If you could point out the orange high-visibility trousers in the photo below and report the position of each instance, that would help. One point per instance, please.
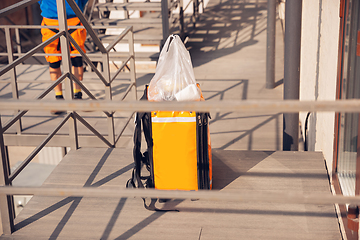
(79, 36)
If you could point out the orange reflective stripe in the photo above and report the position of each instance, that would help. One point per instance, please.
(167, 114)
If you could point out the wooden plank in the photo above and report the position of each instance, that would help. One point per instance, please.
(97, 218)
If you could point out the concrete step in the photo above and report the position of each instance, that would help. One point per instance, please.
(120, 56)
(141, 6)
(146, 36)
(144, 22)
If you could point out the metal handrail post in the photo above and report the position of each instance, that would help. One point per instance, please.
(6, 206)
(197, 9)
(91, 10)
(14, 86)
(194, 13)
(293, 11)
(165, 20)
(132, 60)
(65, 54)
(181, 17)
(108, 96)
(17, 35)
(126, 12)
(270, 49)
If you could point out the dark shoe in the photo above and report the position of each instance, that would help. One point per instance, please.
(78, 95)
(58, 112)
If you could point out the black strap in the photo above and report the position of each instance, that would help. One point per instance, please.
(152, 207)
(143, 121)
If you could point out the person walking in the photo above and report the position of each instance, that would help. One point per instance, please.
(50, 18)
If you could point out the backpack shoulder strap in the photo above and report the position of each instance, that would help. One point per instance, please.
(141, 119)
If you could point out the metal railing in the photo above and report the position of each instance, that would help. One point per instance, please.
(6, 191)
(105, 78)
(6, 205)
(254, 106)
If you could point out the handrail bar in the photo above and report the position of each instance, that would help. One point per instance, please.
(91, 10)
(118, 38)
(38, 148)
(13, 120)
(88, 126)
(124, 127)
(252, 106)
(29, 53)
(15, 7)
(173, 4)
(82, 86)
(187, 5)
(127, 91)
(121, 68)
(213, 195)
(52, 85)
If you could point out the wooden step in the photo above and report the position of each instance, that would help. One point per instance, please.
(141, 6)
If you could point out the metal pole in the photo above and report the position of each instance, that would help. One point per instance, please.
(6, 207)
(181, 17)
(194, 14)
(65, 54)
(108, 96)
(293, 10)
(14, 85)
(270, 48)
(17, 35)
(165, 20)
(293, 197)
(132, 60)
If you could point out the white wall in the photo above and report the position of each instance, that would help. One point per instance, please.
(309, 61)
(318, 72)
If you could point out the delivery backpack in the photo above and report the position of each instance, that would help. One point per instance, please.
(178, 154)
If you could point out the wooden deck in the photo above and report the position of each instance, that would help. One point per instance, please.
(228, 54)
(101, 218)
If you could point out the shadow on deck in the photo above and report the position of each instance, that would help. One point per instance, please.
(101, 218)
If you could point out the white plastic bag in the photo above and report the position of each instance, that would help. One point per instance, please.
(174, 77)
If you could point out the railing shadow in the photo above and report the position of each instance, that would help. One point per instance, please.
(260, 213)
(147, 221)
(75, 201)
(229, 26)
(249, 132)
(224, 170)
